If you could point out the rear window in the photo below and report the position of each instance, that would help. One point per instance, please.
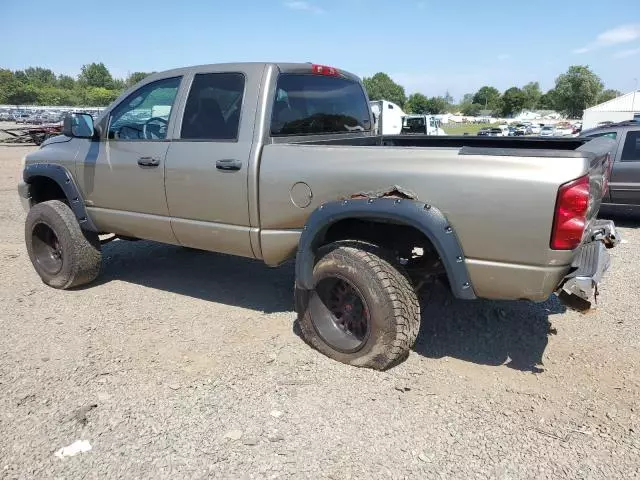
(315, 104)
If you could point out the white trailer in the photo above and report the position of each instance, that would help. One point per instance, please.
(387, 117)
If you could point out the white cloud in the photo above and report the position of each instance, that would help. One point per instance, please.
(304, 7)
(615, 36)
(504, 56)
(627, 53)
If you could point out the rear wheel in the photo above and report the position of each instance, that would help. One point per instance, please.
(62, 253)
(363, 311)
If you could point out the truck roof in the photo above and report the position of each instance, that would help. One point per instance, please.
(287, 67)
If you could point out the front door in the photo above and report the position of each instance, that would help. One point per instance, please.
(122, 176)
(208, 161)
(625, 177)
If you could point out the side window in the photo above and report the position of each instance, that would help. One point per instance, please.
(631, 150)
(213, 107)
(390, 107)
(144, 115)
(613, 135)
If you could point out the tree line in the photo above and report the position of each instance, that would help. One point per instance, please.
(575, 90)
(93, 87)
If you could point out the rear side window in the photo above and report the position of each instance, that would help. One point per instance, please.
(631, 150)
(213, 107)
(315, 104)
(613, 135)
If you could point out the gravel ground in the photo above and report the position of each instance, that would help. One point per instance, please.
(180, 363)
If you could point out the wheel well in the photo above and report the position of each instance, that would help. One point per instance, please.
(408, 245)
(43, 189)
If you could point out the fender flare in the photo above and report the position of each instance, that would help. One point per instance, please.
(64, 179)
(424, 217)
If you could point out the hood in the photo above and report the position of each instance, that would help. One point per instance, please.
(56, 139)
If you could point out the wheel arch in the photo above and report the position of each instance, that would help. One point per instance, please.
(425, 218)
(46, 181)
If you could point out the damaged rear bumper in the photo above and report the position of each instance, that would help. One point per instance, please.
(579, 289)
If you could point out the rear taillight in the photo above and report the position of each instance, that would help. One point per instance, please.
(570, 219)
(324, 70)
(607, 174)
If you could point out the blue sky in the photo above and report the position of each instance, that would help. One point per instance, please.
(427, 45)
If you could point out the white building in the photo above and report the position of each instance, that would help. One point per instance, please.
(625, 107)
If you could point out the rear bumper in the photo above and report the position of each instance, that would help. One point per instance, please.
(579, 288)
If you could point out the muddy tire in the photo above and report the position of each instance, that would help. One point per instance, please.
(363, 311)
(62, 253)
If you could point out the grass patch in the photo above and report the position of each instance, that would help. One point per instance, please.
(462, 128)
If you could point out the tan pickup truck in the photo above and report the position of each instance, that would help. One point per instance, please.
(279, 161)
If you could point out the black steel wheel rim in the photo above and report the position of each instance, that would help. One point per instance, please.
(341, 315)
(46, 248)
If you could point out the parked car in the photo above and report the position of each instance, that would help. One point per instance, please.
(563, 129)
(22, 117)
(624, 183)
(547, 131)
(520, 130)
(535, 129)
(223, 173)
(483, 132)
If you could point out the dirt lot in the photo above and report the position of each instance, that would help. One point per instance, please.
(180, 363)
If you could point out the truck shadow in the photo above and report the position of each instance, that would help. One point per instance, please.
(481, 332)
(513, 333)
(207, 276)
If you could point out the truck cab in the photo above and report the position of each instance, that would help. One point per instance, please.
(421, 124)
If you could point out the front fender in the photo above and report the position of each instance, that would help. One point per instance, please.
(64, 179)
(425, 218)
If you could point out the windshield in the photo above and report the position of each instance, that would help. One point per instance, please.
(315, 104)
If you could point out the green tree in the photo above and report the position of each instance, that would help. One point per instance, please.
(99, 96)
(96, 75)
(136, 77)
(417, 103)
(40, 76)
(488, 97)
(471, 109)
(607, 95)
(548, 100)
(467, 98)
(66, 82)
(532, 94)
(19, 94)
(513, 101)
(382, 87)
(437, 105)
(576, 90)
(20, 76)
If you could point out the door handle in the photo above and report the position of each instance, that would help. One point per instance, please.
(228, 165)
(148, 161)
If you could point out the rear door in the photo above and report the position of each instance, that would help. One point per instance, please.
(207, 162)
(625, 177)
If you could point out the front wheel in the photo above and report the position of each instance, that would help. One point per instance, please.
(62, 253)
(363, 311)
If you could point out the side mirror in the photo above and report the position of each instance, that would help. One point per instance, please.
(78, 125)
